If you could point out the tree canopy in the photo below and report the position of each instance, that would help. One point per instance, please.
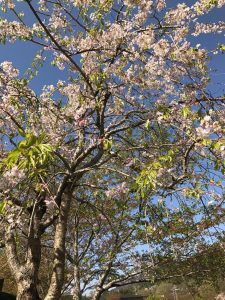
(125, 154)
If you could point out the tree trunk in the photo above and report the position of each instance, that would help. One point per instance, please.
(76, 290)
(28, 283)
(97, 294)
(26, 274)
(100, 289)
(27, 291)
(57, 278)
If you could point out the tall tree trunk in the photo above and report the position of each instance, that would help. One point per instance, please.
(26, 274)
(100, 289)
(57, 278)
(97, 294)
(28, 282)
(27, 290)
(76, 290)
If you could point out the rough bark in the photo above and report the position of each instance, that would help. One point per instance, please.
(10, 248)
(27, 291)
(100, 289)
(28, 282)
(76, 290)
(57, 277)
(26, 274)
(98, 292)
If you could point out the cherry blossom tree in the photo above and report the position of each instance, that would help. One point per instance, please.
(135, 103)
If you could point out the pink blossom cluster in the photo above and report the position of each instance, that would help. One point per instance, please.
(161, 48)
(57, 20)
(14, 175)
(203, 6)
(220, 3)
(7, 3)
(9, 70)
(178, 15)
(118, 191)
(75, 108)
(201, 28)
(84, 2)
(145, 40)
(60, 60)
(13, 30)
(9, 103)
(160, 5)
(42, 5)
(207, 127)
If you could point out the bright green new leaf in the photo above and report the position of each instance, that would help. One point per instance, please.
(185, 112)
(2, 207)
(107, 144)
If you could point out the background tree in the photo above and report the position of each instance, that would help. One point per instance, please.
(102, 252)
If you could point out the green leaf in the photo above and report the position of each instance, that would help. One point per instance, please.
(21, 132)
(217, 146)
(222, 48)
(170, 152)
(107, 144)
(147, 125)
(185, 112)
(12, 158)
(22, 145)
(2, 207)
(31, 141)
(30, 154)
